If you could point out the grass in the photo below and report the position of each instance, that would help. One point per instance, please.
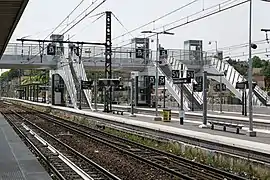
(229, 163)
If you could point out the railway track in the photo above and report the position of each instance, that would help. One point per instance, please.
(174, 165)
(250, 154)
(64, 161)
(241, 152)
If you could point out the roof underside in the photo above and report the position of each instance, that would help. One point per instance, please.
(10, 14)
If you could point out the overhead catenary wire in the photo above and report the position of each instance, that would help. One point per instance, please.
(243, 52)
(245, 55)
(155, 20)
(84, 11)
(205, 16)
(242, 45)
(76, 23)
(84, 17)
(61, 23)
(100, 16)
(220, 5)
(40, 32)
(64, 19)
(122, 25)
(198, 12)
(194, 20)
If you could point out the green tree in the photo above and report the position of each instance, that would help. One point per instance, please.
(266, 71)
(257, 62)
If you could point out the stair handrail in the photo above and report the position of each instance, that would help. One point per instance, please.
(258, 90)
(188, 86)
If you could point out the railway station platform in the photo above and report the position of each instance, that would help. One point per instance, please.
(260, 143)
(16, 160)
(260, 117)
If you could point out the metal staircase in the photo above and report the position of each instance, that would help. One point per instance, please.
(173, 88)
(78, 73)
(217, 66)
(64, 71)
(174, 64)
(232, 76)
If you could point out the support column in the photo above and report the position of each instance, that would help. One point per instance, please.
(182, 99)
(37, 91)
(136, 91)
(204, 125)
(108, 63)
(132, 99)
(53, 93)
(243, 103)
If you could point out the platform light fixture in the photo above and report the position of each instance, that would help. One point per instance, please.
(157, 63)
(251, 132)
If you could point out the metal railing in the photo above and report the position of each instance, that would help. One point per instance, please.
(233, 77)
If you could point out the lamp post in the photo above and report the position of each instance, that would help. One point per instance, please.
(157, 63)
(220, 81)
(250, 92)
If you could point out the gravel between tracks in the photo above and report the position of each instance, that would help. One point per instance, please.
(123, 166)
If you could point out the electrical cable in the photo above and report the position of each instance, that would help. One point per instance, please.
(194, 20)
(167, 14)
(214, 6)
(76, 22)
(84, 17)
(65, 19)
(39, 32)
(244, 55)
(241, 53)
(238, 45)
(59, 25)
(122, 25)
(101, 15)
(205, 16)
(79, 15)
(198, 12)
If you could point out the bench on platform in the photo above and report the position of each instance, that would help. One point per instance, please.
(226, 124)
(117, 111)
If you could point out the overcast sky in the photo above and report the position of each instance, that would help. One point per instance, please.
(228, 27)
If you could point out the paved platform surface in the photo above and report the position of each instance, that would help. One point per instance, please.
(256, 116)
(16, 160)
(209, 113)
(262, 136)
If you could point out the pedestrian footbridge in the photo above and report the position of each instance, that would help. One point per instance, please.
(31, 56)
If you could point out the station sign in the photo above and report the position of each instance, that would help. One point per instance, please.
(51, 49)
(244, 84)
(175, 74)
(240, 85)
(197, 87)
(139, 53)
(191, 74)
(161, 80)
(163, 53)
(106, 82)
(86, 84)
(182, 81)
(152, 79)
